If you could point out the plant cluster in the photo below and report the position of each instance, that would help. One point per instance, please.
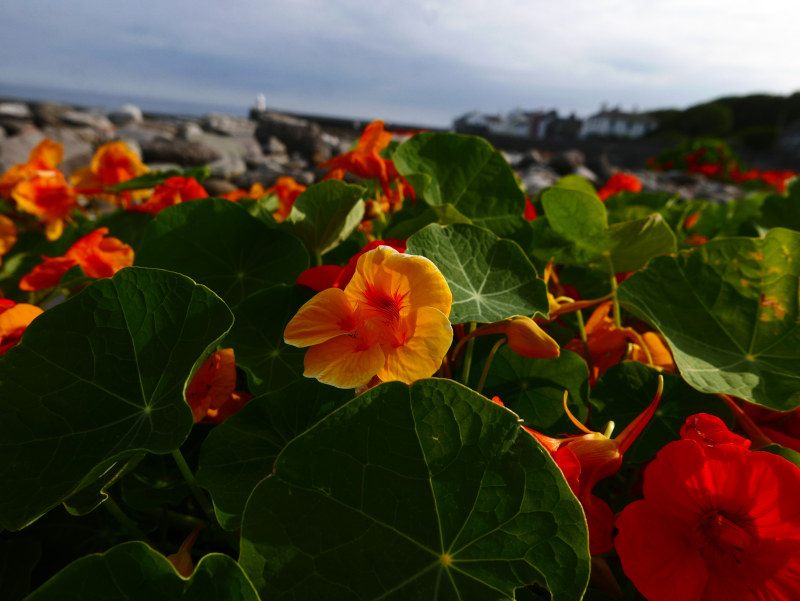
(423, 385)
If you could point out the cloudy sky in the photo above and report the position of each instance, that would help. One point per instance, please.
(405, 60)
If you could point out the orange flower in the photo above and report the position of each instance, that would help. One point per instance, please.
(562, 304)
(182, 560)
(173, 191)
(112, 164)
(14, 319)
(524, 337)
(212, 393)
(44, 157)
(620, 182)
(48, 196)
(696, 240)
(8, 235)
(99, 257)
(287, 190)
(608, 344)
(390, 321)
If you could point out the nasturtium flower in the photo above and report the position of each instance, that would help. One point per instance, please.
(112, 164)
(45, 157)
(710, 430)
(588, 458)
(14, 319)
(332, 276)
(287, 190)
(212, 393)
(619, 182)
(99, 257)
(530, 210)
(609, 344)
(563, 299)
(390, 321)
(182, 560)
(524, 336)
(173, 191)
(718, 522)
(780, 427)
(48, 196)
(8, 235)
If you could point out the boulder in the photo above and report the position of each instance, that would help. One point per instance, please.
(538, 178)
(77, 153)
(48, 113)
(182, 152)
(298, 135)
(228, 167)
(146, 132)
(566, 162)
(274, 146)
(218, 187)
(587, 173)
(226, 125)
(530, 158)
(125, 114)
(14, 127)
(15, 110)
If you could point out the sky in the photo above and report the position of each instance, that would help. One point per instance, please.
(420, 62)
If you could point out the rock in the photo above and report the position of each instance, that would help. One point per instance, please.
(601, 166)
(566, 162)
(146, 132)
(529, 158)
(134, 147)
(298, 135)
(125, 114)
(14, 127)
(218, 187)
(15, 110)
(274, 146)
(77, 153)
(190, 130)
(163, 166)
(2, 133)
(80, 118)
(178, 151)
(268, 177)
(48, 113)
(681, 178)
(587, 173)
(226, 125)
(228, 167)
(538, 178)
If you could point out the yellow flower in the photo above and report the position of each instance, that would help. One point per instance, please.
(390, 322)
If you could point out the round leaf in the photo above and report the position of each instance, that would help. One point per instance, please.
(490, 278)
(220, 245)
(729, 310)
(98, 379)
(428, 491)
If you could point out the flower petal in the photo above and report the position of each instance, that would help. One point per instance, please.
(344, 361)
(325, 316)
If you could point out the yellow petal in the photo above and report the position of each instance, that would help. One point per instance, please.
(13, 321)
(344, 361)
(325, 316)
(527, 339)
(53, 229)
(419, 344)
(8, 234)
(414, 280)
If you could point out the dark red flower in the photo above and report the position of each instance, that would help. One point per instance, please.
(332, 276)
(710, 430)
(717, 523)
(620, 182)
(173, 191)
(530, 210)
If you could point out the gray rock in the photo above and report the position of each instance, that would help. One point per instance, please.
(601, 166)
(587, 173)
(190, 130)
(15, 110)
(48, 113)
(268, 177)
(2, 133)
(77, 153)
(298, 135)
(14, 127)
(178, 151)
(125, 114)
(163, 166)
(538, 178)
(134, 147)
(228, 167)
(566, 162)
(218, 187)
(145, 132)
(529, 158)
(274, 146)
(81, 118)
(226, 125)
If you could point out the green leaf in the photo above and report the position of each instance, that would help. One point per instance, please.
(626, 389)
(218, 244)
(441, 214)
(135, 572)
(467, 173)
(241, 452)
(534, 388)
(98, 379)
(490, 278)
(789, 454)
(729, 311)
(128, 226)
(578, 233)
(18, 558)
(257, 337)
(421, 492)
(149, 180)
(90, 497)
(782, 210)
(325, 214)
(262, 209)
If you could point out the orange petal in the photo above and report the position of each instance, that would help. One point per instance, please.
(8, 234)
(182, 560)
(327, 315)
(47, 154)
(53, 229)
(344, 361)
(527, 339)
(13, 321)
(47, 274)
(416, 346)
(374, 138)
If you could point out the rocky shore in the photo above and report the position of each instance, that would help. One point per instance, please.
(241, 152)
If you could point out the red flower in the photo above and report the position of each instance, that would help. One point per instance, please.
(717, 523)
(777, 179)
(620, 182)
(212, 393)
(99, 257)
(695, 240)
(530, 210)
(332, 276)
(173, 191)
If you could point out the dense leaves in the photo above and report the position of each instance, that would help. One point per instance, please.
(427, 491)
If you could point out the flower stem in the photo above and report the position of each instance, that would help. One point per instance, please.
(128, 524)
(318, 257)
(584, 339)
(485, 373)
(468, 355)
(613, 279)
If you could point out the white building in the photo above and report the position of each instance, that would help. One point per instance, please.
(616, 124)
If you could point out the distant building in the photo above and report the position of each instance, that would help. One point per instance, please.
(534, 125)
(615, 123)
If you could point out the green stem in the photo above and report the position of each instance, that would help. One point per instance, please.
(485, 373)
(318, 256)
(613, 280)
(468, 355)
(584, 338)
(128, 524)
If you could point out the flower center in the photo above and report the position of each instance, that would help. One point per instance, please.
(386, 306)
(724, 542)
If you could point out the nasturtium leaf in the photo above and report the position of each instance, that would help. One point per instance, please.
(729, 311)
(128, 226)
(467, 173)
(441, 214)
(534, 388)
(262, 208)
(257, 337)
(153, 178)
(135, 572)
(577, 233)
(422, 492)
(98, 379)
(241, 452)
(782, 210)
(218, 244)
(626, 389)
(18, 558)
(90, 497)
(490, 278)
(325, 214)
